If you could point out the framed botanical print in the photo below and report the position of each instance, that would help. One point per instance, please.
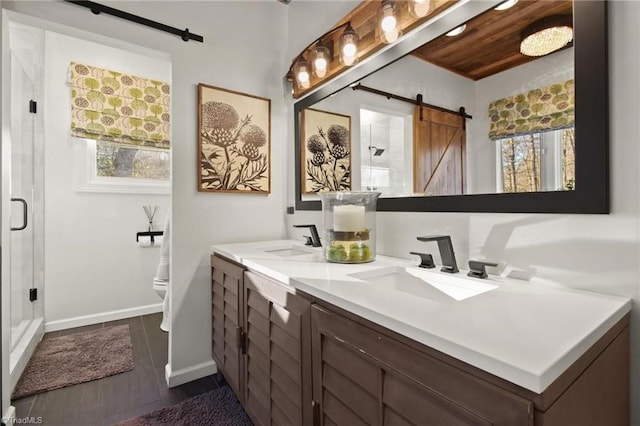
(234, 141)
(326, 159)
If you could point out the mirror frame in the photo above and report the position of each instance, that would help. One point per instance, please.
(591, 195)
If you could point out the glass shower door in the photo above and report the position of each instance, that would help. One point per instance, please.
(22, 190)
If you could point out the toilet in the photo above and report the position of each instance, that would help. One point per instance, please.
(161, 281)
(160, 287)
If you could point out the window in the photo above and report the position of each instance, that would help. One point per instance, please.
(122, 122)
(543, 161)
(106, 167)
(129, 162)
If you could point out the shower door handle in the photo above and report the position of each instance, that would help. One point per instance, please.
(24, 214)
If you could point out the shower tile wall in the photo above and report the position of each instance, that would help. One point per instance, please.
(387, 171)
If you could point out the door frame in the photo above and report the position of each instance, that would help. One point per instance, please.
(5, 263)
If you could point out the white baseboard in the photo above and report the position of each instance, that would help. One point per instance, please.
(101, 317)
(189, 374)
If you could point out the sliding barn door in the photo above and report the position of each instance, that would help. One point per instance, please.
(439, 144)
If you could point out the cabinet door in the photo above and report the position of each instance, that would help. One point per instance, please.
(278, 359)
(361, 377)
(226, 312)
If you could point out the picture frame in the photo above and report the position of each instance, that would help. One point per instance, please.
(234, 141)
(326, 148)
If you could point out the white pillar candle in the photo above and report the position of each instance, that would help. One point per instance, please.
(348, 218)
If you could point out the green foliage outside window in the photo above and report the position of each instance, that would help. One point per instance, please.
(522, 162)
(117, 161)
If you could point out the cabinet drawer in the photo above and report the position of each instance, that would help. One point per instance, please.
(278, 370)
(226, 320)
(396, 384)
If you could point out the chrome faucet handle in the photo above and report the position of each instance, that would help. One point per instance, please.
(477, 268)
(426, 260)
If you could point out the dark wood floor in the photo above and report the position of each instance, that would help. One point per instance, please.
(112, 399)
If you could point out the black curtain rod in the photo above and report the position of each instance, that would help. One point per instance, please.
(417, 101)
(97, 8)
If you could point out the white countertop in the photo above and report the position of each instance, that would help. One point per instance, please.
(525, 333)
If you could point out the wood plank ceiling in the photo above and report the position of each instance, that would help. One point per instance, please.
(491, 42)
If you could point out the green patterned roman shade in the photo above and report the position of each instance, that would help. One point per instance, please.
(119, 108)
(546, 108)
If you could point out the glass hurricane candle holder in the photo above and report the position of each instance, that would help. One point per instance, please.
(349, 226)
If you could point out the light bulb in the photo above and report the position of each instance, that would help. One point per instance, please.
(349, 60)
(320, 67)
(388, 18)
(301, 70)
(321, 58)
(419, 8)
(388, 22)
(349, 46)
(391, 36)
(303, 80)
(349, 49)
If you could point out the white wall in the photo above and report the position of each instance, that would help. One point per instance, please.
(593, 252)
(244, 50)
(92, 262)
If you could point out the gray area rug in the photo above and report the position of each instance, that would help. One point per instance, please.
(76, 358)
(218, 407)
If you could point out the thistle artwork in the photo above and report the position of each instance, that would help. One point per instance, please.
(327, 151)
(234, 141)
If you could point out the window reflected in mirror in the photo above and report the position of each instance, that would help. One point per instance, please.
(537, 162)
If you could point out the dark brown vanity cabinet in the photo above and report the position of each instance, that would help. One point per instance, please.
(261, 343)
(366, 374)
(278, 359)
(361, 377)
(294, 359)
(226, 320)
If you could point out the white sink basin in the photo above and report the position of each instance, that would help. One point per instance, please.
(427, 284)
(290, 251)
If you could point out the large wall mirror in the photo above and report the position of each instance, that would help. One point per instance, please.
(497, 131)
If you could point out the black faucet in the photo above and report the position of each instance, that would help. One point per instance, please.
(314, 240)
(446, 252)
(477, 268)
(426, 260)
